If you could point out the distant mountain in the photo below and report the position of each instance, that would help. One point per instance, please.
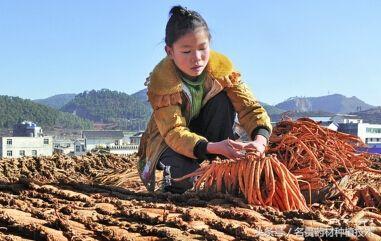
(56, 101)
(372, 116)
(272, 110)
(106, 106)
(296, 115)
(335, 103)
(15, 109)
(141, 95)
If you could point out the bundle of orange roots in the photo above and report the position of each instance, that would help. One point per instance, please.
(302, 155)
(315, 153)
(263, 181)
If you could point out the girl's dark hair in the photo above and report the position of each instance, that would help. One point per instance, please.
(181, 21)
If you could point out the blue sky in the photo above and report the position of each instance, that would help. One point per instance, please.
(282, 48)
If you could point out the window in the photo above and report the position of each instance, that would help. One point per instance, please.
(9, 153)
(34, 152)
(77, 148)
(116, 143)
(373, 130)
(22, 153)
(46, 141)
(9, 141)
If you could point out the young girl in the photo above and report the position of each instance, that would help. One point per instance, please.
(195, 94)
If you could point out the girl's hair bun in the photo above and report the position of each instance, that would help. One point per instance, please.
(179, 11)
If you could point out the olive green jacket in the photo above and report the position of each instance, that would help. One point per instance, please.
(171, 101)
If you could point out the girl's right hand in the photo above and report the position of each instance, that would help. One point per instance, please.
(228, 148)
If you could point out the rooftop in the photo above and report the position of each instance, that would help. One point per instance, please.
(102, 134)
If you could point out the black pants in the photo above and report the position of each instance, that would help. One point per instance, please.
(215, 122)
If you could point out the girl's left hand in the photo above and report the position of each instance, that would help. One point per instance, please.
(258, 145)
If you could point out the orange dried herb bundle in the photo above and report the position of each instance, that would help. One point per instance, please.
(316, 153)
(262, 180)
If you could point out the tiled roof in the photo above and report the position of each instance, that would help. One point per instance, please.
(138, 134)
(103, 134)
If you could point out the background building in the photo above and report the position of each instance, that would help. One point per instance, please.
(79, 147)
(28, 140)
(63, 146)
(103, 139)
(369, 133)
(344, 118)
(27, 128)
(135, 139)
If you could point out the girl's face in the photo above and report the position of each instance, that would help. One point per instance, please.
(190, 52)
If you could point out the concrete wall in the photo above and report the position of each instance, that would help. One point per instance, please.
(93, 143)
(125, 150)
(26, 144)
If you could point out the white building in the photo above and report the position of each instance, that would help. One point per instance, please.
(370, 134)
(27, 140)
(79, 147)
(63, 146)
(344, 118)
(111, 141)
(102, 139)
(16, 146)
(135, 139)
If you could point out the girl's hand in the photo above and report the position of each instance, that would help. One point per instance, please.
(228, 148)
(258, 146)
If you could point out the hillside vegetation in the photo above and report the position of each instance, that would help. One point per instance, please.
(15, 109)
(106, 106)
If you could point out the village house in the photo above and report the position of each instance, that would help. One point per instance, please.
(346, 118)
(79, 147)
(102, 139)
(63, 146)
(370, 134)
(112, 141)
(135, 139)
(27, 140)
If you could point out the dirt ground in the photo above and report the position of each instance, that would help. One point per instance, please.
(62, 198)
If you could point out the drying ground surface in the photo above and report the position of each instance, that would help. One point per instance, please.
(63, 198)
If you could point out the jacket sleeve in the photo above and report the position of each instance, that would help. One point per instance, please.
(252, 116)
(173, 127)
